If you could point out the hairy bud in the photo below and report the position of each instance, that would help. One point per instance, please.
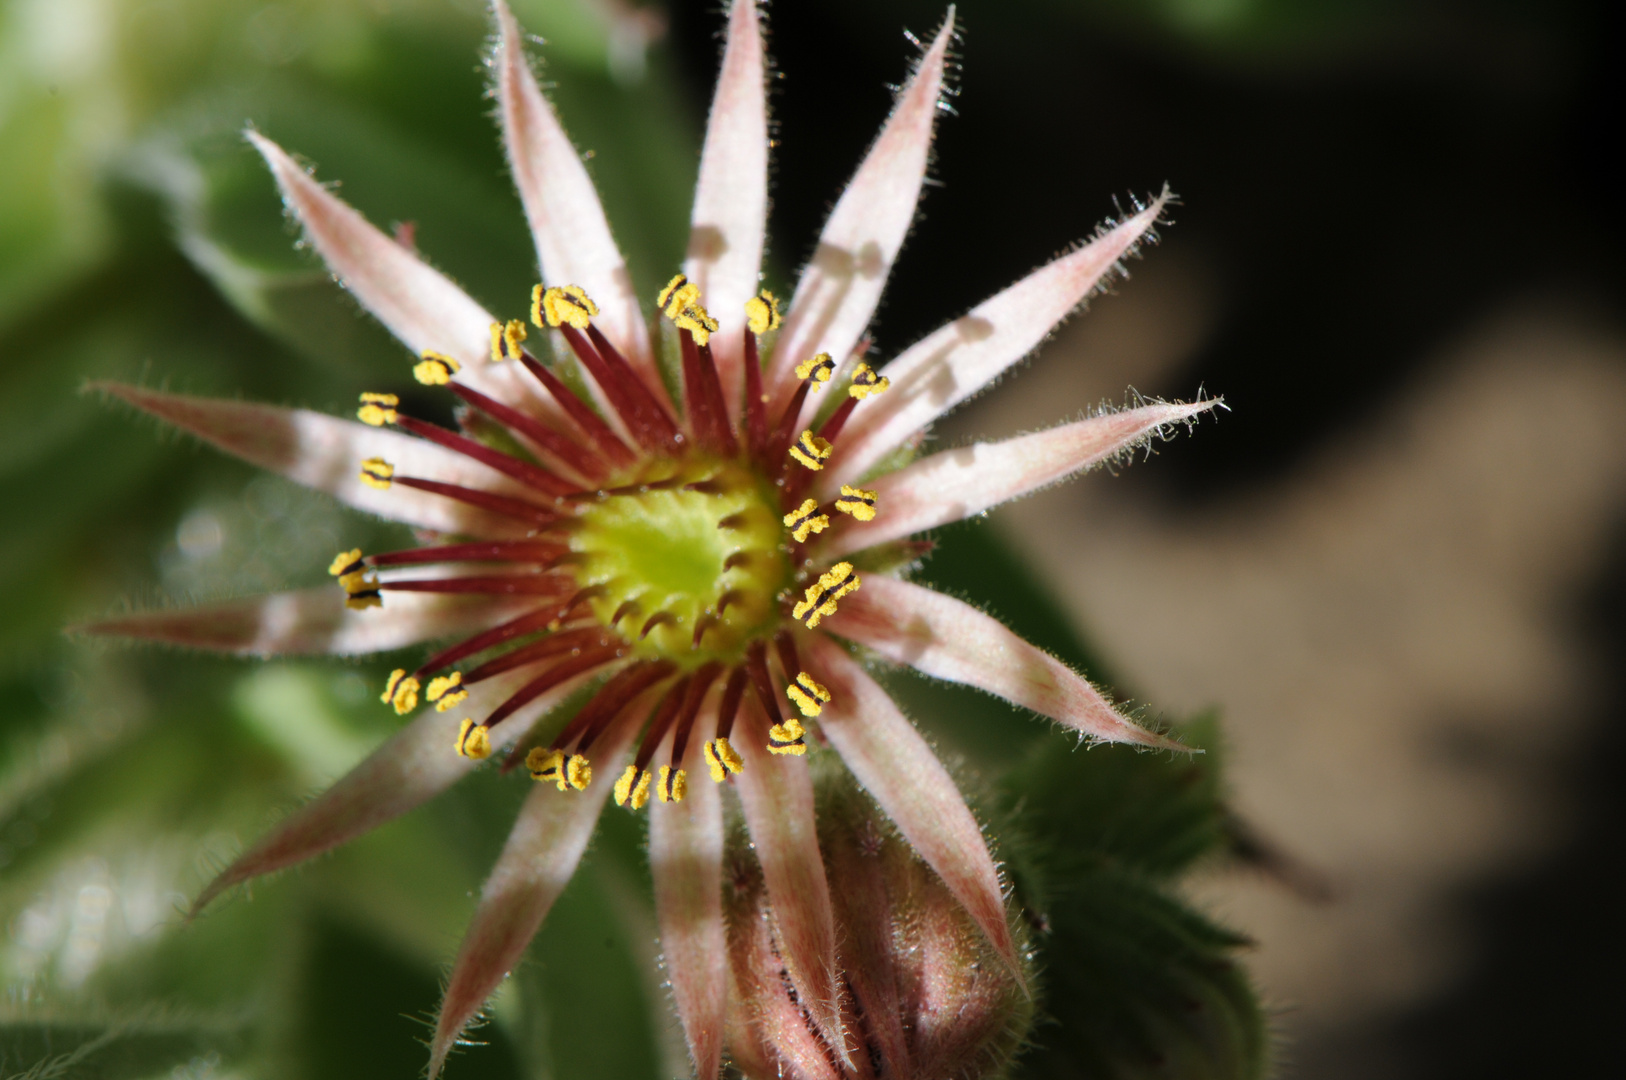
(923, 993)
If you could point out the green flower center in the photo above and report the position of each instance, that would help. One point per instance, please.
(688, 558)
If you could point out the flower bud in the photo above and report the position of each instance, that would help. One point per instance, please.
(923, 993)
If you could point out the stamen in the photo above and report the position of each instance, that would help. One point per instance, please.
(866, 383)
(817, 370)
(703, 393)
(559, 673)
(808, 695)
(680, 302)
(612, 697)
(857, 502)
(401, 691)
(756, 402)
(591, 424)
(820, 599)
(473, 740)
(722, 759)
(699, 684)
(445, 691)
(562, 305)
(531, 475)
(535, 551)
(568, 641)
(672, 785)
(378, 409)
(811, 450)
(436, 369)
(525, 624)
(518, 509)
(560, 446)
(487, 585)
(806, 519)
(376, 473)
(633, 787)
(789, 738)
(507, 340)
(762, 313)
(729, 706)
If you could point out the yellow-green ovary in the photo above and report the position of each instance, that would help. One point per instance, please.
(666, 551)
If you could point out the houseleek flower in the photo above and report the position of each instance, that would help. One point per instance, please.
(688, 519)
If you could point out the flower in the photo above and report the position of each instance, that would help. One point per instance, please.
(693, 555)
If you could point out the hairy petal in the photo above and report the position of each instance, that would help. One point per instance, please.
(325, 453)
(686, 860)
(417, 303)
(776, 794)
(841, 285)
(952, 363)
(311, 621)
(731, 196)
(416, 764)
(892, 761)
(573, 241)
(949, 639)
(963, 482)
(536, 863)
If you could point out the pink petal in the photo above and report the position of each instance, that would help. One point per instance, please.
(325, 453)
(573, 241)
(542, 852)
(776, 794)
(416, 764)
(416, 302)
(731, 196)
(963, 482)
(949, 639)
(842, 283)
(957, 360)
(892, 761)
(686, 860)
(311, 621)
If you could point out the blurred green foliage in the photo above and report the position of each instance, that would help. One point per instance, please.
(140, 239)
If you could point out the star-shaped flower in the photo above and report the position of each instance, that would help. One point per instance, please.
(701, 553)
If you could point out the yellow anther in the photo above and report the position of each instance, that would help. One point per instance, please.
(545, 765)
(673, 784)
(632, 788)
(436, 369)
(808, 695)
(562, 305)
(389, 688)
(507, 339)
(680, 302)
(345, 562)
(722, 759)
(402, 692)
(473, 740)
(442, 683)
(678, 294)
(376, 472)
(819, 369)
(857, 502)
(806, 519)
(866, 382)
(820, 598)
(378, 409)
(787, 738)
(762, 313)
(579, 772)
(810, 450)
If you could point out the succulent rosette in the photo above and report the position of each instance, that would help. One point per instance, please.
(664, 546)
